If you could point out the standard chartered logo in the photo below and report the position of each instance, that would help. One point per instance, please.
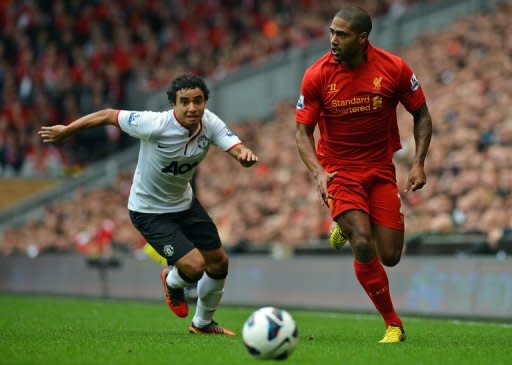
(364, 100)
(356, 104)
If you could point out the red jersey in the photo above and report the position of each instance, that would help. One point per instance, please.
(356, 108)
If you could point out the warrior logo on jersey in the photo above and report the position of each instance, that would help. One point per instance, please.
(203, 142)
(415, 84)
(300, 103)
(168, 250)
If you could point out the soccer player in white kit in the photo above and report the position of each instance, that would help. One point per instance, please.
(161, 204)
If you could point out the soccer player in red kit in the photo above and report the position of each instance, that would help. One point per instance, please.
(351, 93)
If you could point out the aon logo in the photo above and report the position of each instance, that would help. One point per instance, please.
(178, 169)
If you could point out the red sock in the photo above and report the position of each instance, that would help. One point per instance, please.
(373, 279)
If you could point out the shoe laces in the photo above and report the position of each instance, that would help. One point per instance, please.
(177, 295)
(212, 327)
(393, 332)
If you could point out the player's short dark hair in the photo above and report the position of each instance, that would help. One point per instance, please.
(360, 20)
(186, 81)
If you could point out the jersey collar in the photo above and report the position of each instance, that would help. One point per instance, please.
(196, 132)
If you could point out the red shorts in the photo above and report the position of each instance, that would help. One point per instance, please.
(370, 189)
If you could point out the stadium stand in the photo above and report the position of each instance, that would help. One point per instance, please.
(464, 72)
(61, 59)
(16, 190)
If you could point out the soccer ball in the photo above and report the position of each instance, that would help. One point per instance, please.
(270, 333)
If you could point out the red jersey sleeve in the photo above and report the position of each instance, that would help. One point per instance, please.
(309, 103)
(410, 92)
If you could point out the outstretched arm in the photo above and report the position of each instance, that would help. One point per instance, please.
(422, 135)
(243, 155)
(59, 132)
(305, 141)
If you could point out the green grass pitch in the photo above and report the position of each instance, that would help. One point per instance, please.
(61, 330)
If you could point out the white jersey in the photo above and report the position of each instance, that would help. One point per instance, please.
(169, 156)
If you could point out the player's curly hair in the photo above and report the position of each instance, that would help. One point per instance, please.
(186, 81)
(358, 17)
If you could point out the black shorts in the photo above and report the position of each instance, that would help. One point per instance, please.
(173, 235)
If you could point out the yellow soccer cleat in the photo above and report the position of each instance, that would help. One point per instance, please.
(336, 238)
(394, 334)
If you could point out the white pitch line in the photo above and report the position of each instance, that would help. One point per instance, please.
(409, 319)
(470, 323)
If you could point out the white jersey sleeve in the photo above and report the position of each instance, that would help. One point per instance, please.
(142, 124)
(221, 135)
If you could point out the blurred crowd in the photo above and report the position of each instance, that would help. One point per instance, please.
(465, 73)
(101, 221)
(62, 59)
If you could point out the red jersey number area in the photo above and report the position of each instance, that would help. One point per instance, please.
(372, 190)
(355, 109)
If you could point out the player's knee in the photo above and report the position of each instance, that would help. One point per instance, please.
(193, 267)
(361, 245)
(390, 259)
(218, 265)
